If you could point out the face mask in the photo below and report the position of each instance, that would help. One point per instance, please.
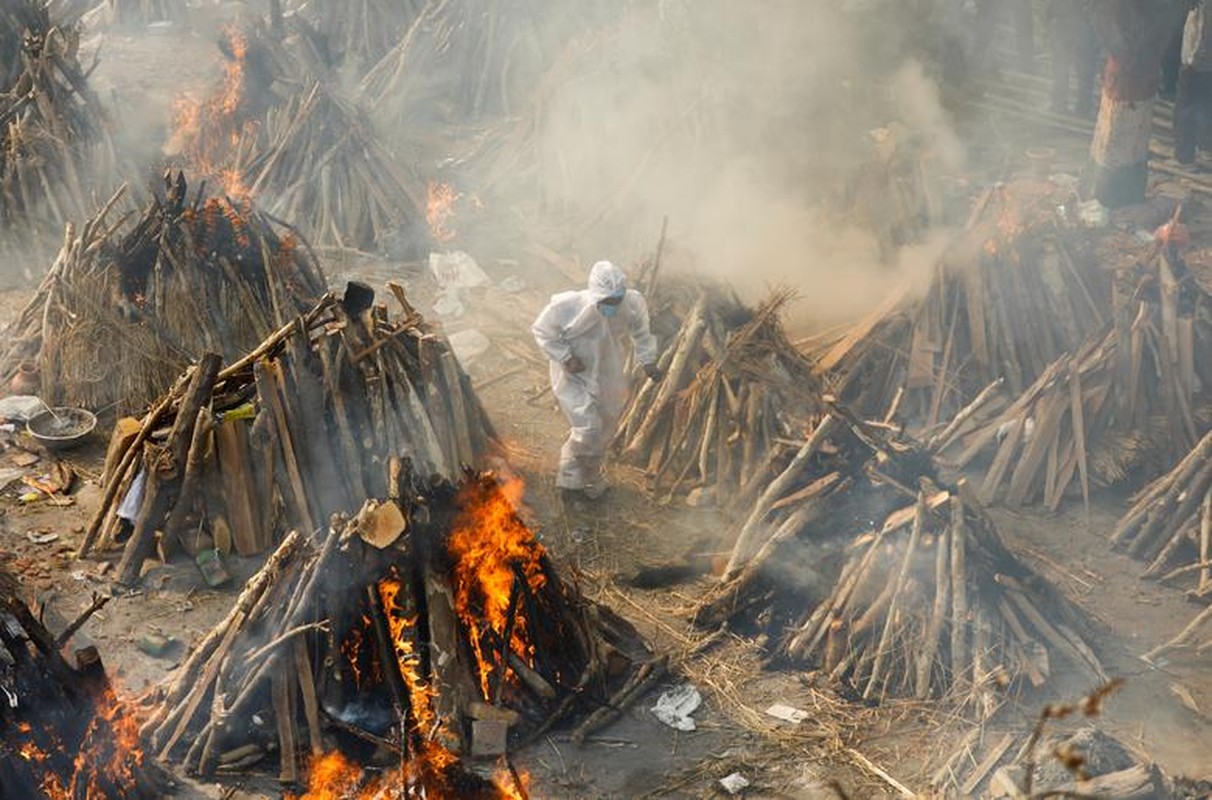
(608, 311)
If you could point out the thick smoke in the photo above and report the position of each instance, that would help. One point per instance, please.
(753, 127)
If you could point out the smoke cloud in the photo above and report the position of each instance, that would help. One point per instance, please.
(756, 128)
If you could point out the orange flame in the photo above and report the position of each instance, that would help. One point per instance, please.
(333, 776)
(439, 208)
(207, 131)
(108, 755)
(403, 635)
(489, 546)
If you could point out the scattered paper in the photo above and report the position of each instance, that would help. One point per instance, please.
(734, 783)
(787, 713)
(675, 706)
(457, 269)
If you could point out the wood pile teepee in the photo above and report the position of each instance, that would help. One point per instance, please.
(125, 307)
(304, 426)
(860, 561)
(277, 129)
(1170, 522)
(1132, 399)
(734, 396)
(1012, 294)
(445, 636)
(63, 730)
(55, 151)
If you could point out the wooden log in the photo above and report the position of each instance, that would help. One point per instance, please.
(746, 542)
(1047, 423)
(268, 377)
(311, 702)
(1078, 421)
(125, 431)
(644, 679)
(285, 718)
(452, 674)
(1205, 538)
(457, 408)
(986, 765)
(882, 649)
(1184, 636)
(317, 457)
(232, 451)
(187, 497)
(673, 380)
(959, 590)
(934, 628)
(164, 467)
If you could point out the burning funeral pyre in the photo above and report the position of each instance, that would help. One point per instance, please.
(64, 733)
(374, 660)
(276, 129)
(859, 560)
(321, 415)
(119, 315)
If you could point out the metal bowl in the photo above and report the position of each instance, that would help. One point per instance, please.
(61, 428)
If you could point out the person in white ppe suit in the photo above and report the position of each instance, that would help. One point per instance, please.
(582, 332)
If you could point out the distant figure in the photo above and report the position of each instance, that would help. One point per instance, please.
(582, 332)
(1074, 48)
(1194, 101)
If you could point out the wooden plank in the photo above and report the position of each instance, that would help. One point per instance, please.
(232, 448)
(1047, 427)
(1078, 420)
(987, 764)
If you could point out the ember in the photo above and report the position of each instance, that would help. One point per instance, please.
(417, 620)
(64, 732)
(439, 209)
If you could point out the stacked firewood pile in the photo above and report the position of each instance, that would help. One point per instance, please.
(63, 731)
(1171, 521)
(1127, 399)
(119, 315)
(735, 391)
(888, 580)
(316, 161)
(54, 147)
(1014, 293)
(302, 427)
(446, 634)
(276, 129)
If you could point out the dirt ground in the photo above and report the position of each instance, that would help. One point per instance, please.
(603, 544)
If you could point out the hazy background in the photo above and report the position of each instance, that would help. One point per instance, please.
(747, 125)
